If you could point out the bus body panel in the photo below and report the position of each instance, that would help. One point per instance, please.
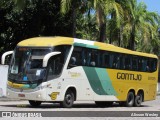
(123, 84)
(39, 95)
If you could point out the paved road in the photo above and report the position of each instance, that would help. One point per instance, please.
(81, 109)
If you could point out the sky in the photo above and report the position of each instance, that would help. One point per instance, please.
(152, 5)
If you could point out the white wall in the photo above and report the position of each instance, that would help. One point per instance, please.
(3, 79)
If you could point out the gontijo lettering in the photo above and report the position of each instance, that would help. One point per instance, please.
(129, 76)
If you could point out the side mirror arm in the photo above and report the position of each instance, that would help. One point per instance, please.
(48, 56)
(4, 56)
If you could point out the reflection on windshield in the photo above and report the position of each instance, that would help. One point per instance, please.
(26, 64)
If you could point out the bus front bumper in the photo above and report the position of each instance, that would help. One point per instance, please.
(39, 95)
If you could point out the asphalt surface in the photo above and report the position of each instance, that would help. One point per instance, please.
(81, 110)
(85, 110)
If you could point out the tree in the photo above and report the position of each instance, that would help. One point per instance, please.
(104, 8)
(115, 24)
(5, 31)
(124, 23)
(140, 23)
(86, 26)
(73, 6)
(39, 18)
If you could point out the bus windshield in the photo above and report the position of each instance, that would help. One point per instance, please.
(26, 64)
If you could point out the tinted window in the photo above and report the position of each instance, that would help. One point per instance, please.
(105, 59)
(56, 63)
(127, 62)
(76, 58)
(134, 63)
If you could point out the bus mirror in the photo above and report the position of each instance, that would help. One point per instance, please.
(48, 56)
(4, 56)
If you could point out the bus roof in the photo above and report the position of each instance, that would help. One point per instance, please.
(46, 41)
(53, 41)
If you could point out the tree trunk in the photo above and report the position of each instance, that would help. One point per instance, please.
(132, 39)
(101, 19)
(74, 21)
(120, 36)
(102, 34)
(110, 37)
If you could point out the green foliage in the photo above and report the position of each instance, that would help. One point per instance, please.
(124, 23)
(39, 18)
(86, 27)
(138, 29)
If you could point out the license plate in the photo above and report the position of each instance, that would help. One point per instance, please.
(21, 95)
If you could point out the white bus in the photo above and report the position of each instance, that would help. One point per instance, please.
(64, 70)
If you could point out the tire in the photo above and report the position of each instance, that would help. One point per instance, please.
(68, 100)
(130, 100)
(138, 100)
(35, 103)
(103, 104)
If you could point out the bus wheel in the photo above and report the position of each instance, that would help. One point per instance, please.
(68, 99)
(138, 100)
(130, 99)
(35, 103)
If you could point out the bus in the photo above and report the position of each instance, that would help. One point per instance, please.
(63, 70)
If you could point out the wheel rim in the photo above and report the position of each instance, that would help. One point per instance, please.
(139, 99)
(130, 99)
(68, 99)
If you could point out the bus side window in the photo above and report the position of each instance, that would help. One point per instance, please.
(134, 63)
(73, 60)
(152, 64)
(76, 58)
(144, 65)
(98, 58)
(106, 60)
(148, 66)
(140, 63)
(64, 49)
(88, 57)
(54, 67)
(116, 61)
(94, 58)
(111, 61)
(114, 64)
(84, 57)
(122, 62)
(127, 62)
